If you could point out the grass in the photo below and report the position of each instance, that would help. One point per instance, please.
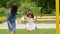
(23, 31)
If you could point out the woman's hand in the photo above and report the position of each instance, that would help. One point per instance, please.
(10, 25)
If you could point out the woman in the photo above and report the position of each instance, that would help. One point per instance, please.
(11, 19)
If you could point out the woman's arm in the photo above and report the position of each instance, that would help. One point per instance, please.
(8, 17)
(20, 13)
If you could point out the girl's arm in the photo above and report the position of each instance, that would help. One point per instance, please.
(34, 19)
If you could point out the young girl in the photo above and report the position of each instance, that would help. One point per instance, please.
(30, 25)
(11, 19)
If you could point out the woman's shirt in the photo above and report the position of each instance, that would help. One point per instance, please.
(11, 19)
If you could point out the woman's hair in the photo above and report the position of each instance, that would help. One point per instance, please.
(14, 9)
(30, 14)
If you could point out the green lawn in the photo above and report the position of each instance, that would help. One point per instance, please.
(23, 31)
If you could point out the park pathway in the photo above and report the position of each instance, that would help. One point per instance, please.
(22, 26)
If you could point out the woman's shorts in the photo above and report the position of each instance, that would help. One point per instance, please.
(12, 29)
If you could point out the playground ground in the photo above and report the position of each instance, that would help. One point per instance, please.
(42, 28)
(22, 26)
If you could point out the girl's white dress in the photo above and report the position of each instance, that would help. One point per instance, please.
(30, 25)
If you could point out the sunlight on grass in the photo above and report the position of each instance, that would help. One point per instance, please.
(23, 31)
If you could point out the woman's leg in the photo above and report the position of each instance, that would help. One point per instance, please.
(12, 33)
(28, 31)
(33, 32)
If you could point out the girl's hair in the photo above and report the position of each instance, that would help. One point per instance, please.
(30, 14)
(14, 9)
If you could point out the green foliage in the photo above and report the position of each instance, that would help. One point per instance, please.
(47, 5)
(37, 6)
(3, 11)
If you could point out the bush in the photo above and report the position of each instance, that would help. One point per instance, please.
(2, 19)
(3, 11)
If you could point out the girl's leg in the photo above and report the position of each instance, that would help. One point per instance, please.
(33, 32)
(28, 31)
